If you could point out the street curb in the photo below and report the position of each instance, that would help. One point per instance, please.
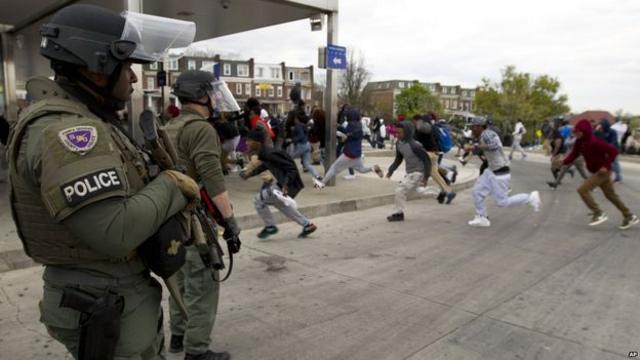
(17, 259)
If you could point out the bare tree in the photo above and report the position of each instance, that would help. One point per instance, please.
(353, 81)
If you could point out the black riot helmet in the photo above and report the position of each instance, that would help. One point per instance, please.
(100, 39)
(193, 85)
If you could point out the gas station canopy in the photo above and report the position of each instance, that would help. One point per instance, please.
(214, 18)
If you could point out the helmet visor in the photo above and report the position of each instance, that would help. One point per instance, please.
(222, 97)
(155, 35)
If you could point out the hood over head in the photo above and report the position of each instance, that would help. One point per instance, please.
(606, 127)
(584, 126)
(408, 130)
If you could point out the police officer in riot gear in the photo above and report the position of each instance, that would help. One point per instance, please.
(198, 149)
(82, 196)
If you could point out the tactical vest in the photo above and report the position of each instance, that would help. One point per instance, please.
(44, 238)
(174, 129)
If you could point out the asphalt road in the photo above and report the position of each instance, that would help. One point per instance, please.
(533, 286)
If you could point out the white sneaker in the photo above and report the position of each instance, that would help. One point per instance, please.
(480, 221)
(349, 177)
(318, 184)
(534, 201)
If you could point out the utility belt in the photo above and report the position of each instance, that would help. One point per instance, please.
(502, 171)
(62, 277)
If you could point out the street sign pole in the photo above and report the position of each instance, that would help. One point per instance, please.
(331, 98)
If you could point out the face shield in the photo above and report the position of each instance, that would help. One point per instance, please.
(222, 98)
(155, 35)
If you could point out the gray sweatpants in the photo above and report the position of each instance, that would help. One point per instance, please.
(265, 198)
(409, 183)
(497, 185)
(344, 162)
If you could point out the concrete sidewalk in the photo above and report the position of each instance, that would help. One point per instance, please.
(365, 192)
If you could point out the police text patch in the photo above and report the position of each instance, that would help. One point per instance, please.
(86, 187)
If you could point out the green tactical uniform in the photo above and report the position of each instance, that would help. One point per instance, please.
(82, 203)
(198, 148)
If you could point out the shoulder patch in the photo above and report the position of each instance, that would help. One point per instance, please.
(79, 139)
(88, 186)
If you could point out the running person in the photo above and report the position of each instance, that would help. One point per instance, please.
(495, 180)
(518, 132)
(351, 156)
(599, 157)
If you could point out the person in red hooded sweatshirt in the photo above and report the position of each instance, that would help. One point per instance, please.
(599, 157)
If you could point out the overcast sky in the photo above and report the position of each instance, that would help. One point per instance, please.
(591, 46)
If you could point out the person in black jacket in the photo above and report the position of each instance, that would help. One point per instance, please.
(281, 184)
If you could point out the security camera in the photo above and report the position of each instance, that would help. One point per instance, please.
(225, 3)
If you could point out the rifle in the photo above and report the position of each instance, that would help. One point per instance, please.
(203, 223)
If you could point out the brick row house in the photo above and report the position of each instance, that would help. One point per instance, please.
(269, 83)
(454, 98)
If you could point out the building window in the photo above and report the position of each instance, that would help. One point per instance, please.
(473, 93)
(153, 66)
(151, 83)
(243, 70)
(238, 89)
(291, 75)
(259, 72)
(247, 89)
(309, 94)
(279, 91)
(172, 65)
(401, 84)
(191, 65)
(226, 69)
(455, 104)
(258, 91)
(270, 92)
(207, 65)
(275, 73)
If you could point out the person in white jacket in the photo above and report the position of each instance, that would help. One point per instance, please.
(518, 132)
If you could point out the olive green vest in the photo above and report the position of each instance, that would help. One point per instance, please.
(174, 129)
(43, 236)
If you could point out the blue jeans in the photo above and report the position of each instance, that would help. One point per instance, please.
(303, 151)
(617, 170)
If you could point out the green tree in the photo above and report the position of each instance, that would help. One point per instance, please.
(416, 100)
(522, 96)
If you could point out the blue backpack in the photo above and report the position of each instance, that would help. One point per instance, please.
(443, 137)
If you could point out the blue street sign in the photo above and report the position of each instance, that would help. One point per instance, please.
(336, 57)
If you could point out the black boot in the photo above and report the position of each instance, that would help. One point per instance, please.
(209, 355)
(396, 217)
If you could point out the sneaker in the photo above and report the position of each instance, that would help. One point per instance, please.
(318, 184)
(441, 197)
(597, 219)
(534, 201)
(462, 161)
(454, 169)
(307, 229)
(480, 221)
(629, 222)
(176, 345)
(552, 185)
(267, 231)
(450, 197)
(378, 171)
(349, 177)
(209, 355)
(395, 217)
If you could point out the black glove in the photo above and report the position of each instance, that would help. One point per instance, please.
(231, 233)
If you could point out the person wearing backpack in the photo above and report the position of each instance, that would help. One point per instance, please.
(424, 134)
(418, 168)
(518, 132)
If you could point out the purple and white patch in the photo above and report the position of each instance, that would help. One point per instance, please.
(79, 139)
